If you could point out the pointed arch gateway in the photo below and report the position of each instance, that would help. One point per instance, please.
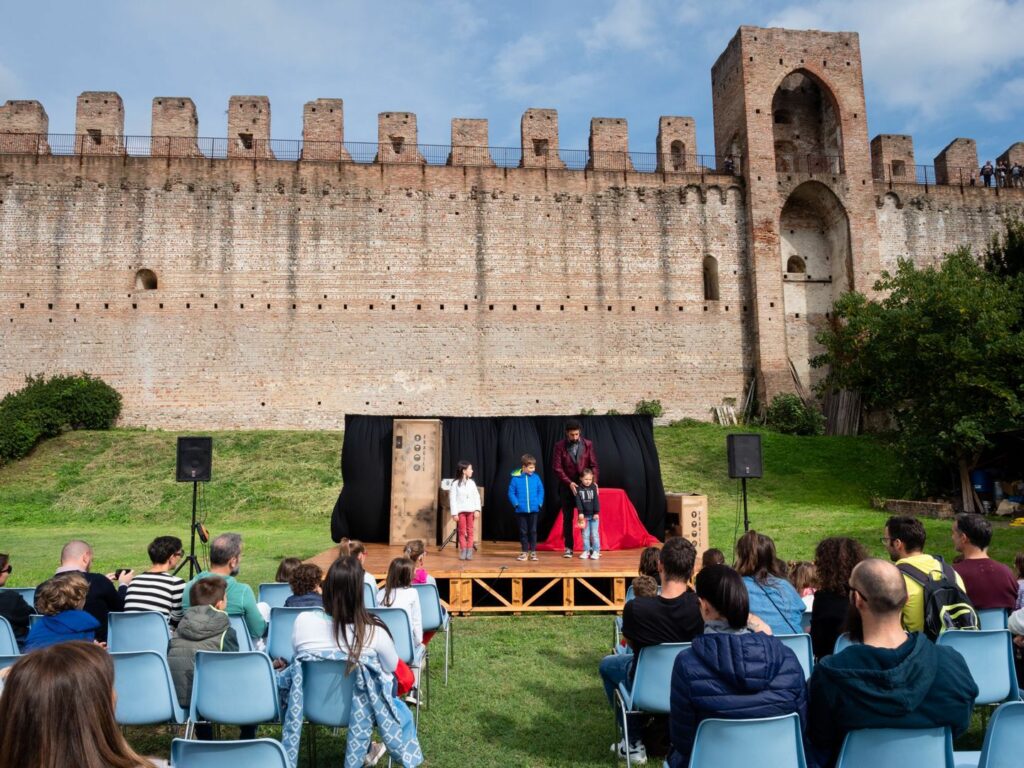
(806, 125)
(816, 259)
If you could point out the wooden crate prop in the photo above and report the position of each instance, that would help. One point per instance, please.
(687, 515)
(415, 477)
(448, 523)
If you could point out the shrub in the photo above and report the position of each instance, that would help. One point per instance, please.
(648, 408)
(788, 414)
(46, 407)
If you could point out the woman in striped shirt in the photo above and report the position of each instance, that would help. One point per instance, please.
(158, 589)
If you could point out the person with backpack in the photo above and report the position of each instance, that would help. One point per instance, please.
(936, 598)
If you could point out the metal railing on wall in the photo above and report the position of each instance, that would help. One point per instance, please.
(897, 172)
(391, 153)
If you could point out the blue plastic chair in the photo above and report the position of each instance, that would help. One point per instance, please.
(369, 596)
(398, 624)
(28, 594)
(33, 619)
(138, 631)
(233, 688)
(652, 682)
(1004, 740)
(993, 618)
(279, 636)
(897, 748)
(843, 642)
(989, 657)
(326, 696)
(274, 593)
(768, 741)
(8, 643)
(801, 646)
(252, 753)
(435, 619)
(7, 660)
(242, 632)
(805, 621)
(145, 691)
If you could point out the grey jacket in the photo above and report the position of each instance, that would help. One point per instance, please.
(202, 628)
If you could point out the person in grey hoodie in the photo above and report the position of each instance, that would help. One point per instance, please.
(203, 627)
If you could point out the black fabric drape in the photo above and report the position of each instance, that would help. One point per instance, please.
(626, 453)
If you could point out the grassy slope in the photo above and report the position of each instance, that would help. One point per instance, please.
(525, 691)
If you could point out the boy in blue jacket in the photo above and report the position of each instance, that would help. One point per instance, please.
(526, 492)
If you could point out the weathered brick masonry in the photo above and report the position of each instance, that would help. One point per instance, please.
(255, 292)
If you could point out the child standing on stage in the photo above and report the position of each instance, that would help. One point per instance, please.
(526, 492)
(589, 507)
(464, 500)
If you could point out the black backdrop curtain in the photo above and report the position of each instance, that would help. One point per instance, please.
(626, 455)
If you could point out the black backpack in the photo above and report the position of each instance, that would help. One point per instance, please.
(946, 606)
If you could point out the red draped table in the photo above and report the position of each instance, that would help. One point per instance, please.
(618, 523)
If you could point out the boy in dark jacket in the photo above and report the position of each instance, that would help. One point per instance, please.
(526, 493)
(203, 627)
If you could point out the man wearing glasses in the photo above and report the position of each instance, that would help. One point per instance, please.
(158, 589)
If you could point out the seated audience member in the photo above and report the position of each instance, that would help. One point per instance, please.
(712, 557)
(357, 549)
(649, 559)
(772, 598)
(644, 586)
(1018, 564)
(158, 589)
(12, 605)
(417, 552)
(61, 601)
(889, 678)
(57, 709)
(904, 540)
(285, 569)
(834, 559)
(204, 627)
(804, 580)
(398, 593)
(671, 617)
(988, 583)
(226, 561)
(305, 583)
(730, 671)
(103, 597)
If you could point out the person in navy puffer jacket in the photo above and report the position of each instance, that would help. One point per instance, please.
(730, 671)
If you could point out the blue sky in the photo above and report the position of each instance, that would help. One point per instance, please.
(936, 69)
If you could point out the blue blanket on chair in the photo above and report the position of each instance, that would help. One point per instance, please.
(372, 704)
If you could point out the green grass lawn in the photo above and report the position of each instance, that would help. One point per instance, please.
(525, 691)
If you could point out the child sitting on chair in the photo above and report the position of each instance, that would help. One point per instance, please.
(306, 590)
(417, 552)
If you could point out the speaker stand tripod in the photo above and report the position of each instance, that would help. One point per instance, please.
(746, 518)
(190, 559)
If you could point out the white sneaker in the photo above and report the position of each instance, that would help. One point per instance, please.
(595, 556)
(568, 554)
(584, 556)
(521, 557)
(375, 753)
(637, 752)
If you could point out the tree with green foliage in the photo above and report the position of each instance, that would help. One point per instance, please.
(942, 350)
(1005, 254)
(788, 414)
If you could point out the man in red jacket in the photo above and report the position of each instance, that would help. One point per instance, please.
(572, 455)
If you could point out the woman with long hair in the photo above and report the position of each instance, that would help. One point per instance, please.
(729, 671)
(464, 501)
(834, 559)
(57, 709)
(772, 598)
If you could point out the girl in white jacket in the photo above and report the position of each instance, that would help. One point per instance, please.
(464, 500)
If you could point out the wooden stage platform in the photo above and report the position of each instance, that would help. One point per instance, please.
(495, 582)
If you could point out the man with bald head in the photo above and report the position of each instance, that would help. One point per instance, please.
(103, 596)
(889, 678)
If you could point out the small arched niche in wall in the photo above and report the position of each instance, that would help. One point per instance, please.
(710, 278)
(145, 280)
(795, 266)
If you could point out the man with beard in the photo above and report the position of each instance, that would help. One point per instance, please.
(572, 455)
(890, 678)
(226, 561)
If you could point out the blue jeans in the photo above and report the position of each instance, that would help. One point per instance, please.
(615, 669)
(528, 531)
(591, 536)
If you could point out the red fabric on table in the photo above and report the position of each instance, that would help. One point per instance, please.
(619, 525)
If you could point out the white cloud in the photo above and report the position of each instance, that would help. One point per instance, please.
(629, 25)
(926, 56)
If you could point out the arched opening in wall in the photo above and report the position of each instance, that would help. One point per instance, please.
(678, 151)
(814, 243)
(710, 278)
(145, 280)
(809, 130)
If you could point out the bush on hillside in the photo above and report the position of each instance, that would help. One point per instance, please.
(46, 407)
(788, 414)
(649, 408)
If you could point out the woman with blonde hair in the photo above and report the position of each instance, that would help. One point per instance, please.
(57, 709)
